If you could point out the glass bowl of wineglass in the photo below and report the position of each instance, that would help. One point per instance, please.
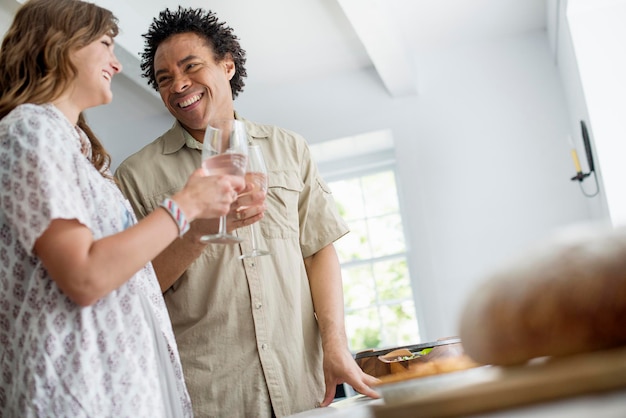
(256, 177)
(224, 151)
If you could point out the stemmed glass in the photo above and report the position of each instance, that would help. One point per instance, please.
(256, 175)
(224, 151)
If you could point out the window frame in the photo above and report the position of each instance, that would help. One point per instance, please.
(357, 166)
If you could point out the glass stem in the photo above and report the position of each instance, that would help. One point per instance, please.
(253, 236)
(222, 225)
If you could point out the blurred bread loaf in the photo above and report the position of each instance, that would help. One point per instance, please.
(565, 296)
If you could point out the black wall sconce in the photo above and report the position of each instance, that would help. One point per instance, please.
(580, 176)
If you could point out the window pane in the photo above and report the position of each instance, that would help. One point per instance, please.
(392, 280)
(358, 287)
(399, 324)
(380, 194)
(363, 329)
(349, 198)
(355, 244)
(386, 235)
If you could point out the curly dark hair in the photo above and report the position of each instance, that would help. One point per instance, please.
(199, 21)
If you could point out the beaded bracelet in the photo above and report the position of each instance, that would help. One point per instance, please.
(179, 217)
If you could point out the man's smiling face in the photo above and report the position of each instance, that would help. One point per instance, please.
(193, 86)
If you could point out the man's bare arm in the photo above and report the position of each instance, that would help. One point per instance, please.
(170, 264)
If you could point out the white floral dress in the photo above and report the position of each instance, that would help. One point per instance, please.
(116, 358)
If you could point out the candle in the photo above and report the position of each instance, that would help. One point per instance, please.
(574, 155)
(575, 159)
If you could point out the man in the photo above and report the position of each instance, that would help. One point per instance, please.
(263, 336)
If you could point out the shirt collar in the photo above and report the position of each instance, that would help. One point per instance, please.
(190, 141)
(181, 137)
(175, 139)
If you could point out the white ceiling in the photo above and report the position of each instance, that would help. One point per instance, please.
(296, 40)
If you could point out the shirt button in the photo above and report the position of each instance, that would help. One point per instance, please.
(264, 346)
(258, 305)
(252, 264)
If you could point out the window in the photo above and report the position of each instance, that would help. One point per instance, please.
(379, 304)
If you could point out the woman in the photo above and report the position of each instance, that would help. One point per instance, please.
(83, 328)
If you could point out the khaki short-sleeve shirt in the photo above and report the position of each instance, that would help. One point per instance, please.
(246, 331)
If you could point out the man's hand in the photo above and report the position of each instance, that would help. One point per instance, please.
(247, 209)
(340, 367)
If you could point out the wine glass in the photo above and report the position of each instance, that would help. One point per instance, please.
(224, 151)
(256, 175)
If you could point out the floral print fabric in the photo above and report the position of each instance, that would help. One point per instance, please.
(57, 358)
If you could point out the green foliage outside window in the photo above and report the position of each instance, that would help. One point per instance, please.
(379, 305)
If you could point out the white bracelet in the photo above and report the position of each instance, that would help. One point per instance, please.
(179, 217)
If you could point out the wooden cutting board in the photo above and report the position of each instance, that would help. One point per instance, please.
(508, 387)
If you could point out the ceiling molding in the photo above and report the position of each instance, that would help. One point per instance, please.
(384, 45)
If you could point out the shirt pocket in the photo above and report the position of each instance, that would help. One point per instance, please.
(282, 218)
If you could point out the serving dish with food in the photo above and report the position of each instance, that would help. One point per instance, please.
(428, 358)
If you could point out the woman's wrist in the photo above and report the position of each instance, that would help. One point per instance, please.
(177, 215)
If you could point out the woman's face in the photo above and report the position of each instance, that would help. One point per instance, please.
(96, 64)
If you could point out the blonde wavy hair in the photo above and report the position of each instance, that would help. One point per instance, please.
(35, 65)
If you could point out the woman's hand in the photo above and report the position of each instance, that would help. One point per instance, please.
(207, 196)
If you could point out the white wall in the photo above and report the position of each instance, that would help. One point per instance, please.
(565, 57)
(7, 10)
(133, 119)
(596, 52)
(481, 151)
